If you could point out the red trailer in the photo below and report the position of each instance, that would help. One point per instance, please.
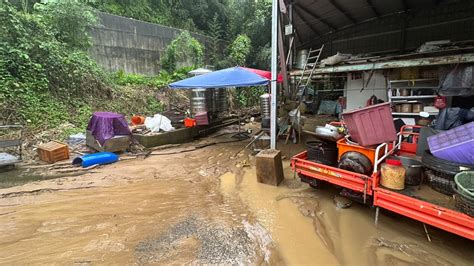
(412, 203)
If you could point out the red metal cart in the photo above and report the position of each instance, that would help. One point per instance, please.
(400, 202)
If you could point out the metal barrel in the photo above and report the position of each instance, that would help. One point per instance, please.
(198, 101)
(301, 57)
(210, 101)
(265, 105)
(220, 100)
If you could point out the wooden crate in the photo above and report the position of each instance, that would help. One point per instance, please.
(53, 151)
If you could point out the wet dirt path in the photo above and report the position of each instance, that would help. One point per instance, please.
(198, 207)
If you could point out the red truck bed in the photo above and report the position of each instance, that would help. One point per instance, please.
(423, 209)
(354, 181)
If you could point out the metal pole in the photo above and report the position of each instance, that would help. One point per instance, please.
(274, 94)
(292, 38)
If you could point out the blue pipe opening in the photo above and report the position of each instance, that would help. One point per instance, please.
(96, 158)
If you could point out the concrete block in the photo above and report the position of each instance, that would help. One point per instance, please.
(181, 135)
(269, 167)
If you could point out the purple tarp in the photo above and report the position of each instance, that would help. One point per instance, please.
(105, 125)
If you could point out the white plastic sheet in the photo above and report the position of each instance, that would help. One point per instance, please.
(158, 122)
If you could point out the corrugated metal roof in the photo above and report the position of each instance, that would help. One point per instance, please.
(313, 19)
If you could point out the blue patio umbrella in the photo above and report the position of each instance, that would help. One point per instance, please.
(229, 77)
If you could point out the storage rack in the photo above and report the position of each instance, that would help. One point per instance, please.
(412, 85)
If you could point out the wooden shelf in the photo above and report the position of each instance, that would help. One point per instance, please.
(414, 114)
(412, 97)
(411, 80)
(416, 88)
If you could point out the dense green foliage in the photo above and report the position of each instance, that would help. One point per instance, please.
(250, 97)
(183, 51)
(47, 77)
(159, 81)
(68, 21)
(240, 49)
(41, 75)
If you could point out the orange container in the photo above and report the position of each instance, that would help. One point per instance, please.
(344, 147)
(53, 151)
(138, 120)
(189, 122)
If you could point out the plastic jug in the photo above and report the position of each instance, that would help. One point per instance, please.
(393, 175)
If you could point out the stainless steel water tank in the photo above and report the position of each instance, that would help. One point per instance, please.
(265, 104)
(210, 100)
(220, 100)
(301, 57)
(198, 101)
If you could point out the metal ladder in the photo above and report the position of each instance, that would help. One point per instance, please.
(310, 64)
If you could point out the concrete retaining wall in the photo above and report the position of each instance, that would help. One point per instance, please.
(131, 45)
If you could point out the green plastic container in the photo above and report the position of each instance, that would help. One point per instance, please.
(465, 184)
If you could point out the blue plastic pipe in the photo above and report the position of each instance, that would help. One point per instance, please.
(96, 158)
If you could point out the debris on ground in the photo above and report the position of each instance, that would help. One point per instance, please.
(242, 164)
(342, 202)
(218, 244)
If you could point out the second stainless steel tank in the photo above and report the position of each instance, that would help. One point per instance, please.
(210, 101)
(220, 100)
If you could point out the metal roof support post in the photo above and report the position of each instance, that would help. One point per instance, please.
(274, 92)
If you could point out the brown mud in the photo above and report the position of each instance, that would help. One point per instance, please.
(205, 206)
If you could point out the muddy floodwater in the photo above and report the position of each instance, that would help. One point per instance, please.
(205, 206)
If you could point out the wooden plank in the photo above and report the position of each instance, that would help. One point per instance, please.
(281, 51)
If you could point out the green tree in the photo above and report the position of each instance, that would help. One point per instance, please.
(240, 49)
(216, 34)
(69, 20)
(183, 51)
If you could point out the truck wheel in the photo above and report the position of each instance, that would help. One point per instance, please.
(312, 182)
(444, 166)
(355, 162)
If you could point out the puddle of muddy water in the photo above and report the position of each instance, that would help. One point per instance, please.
(99, 225)
(291, 231)
(18, 175)
(307, 228)
(138, 220)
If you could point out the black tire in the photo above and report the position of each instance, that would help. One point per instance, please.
(312, 182)
(355, 162)
(443, 166)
